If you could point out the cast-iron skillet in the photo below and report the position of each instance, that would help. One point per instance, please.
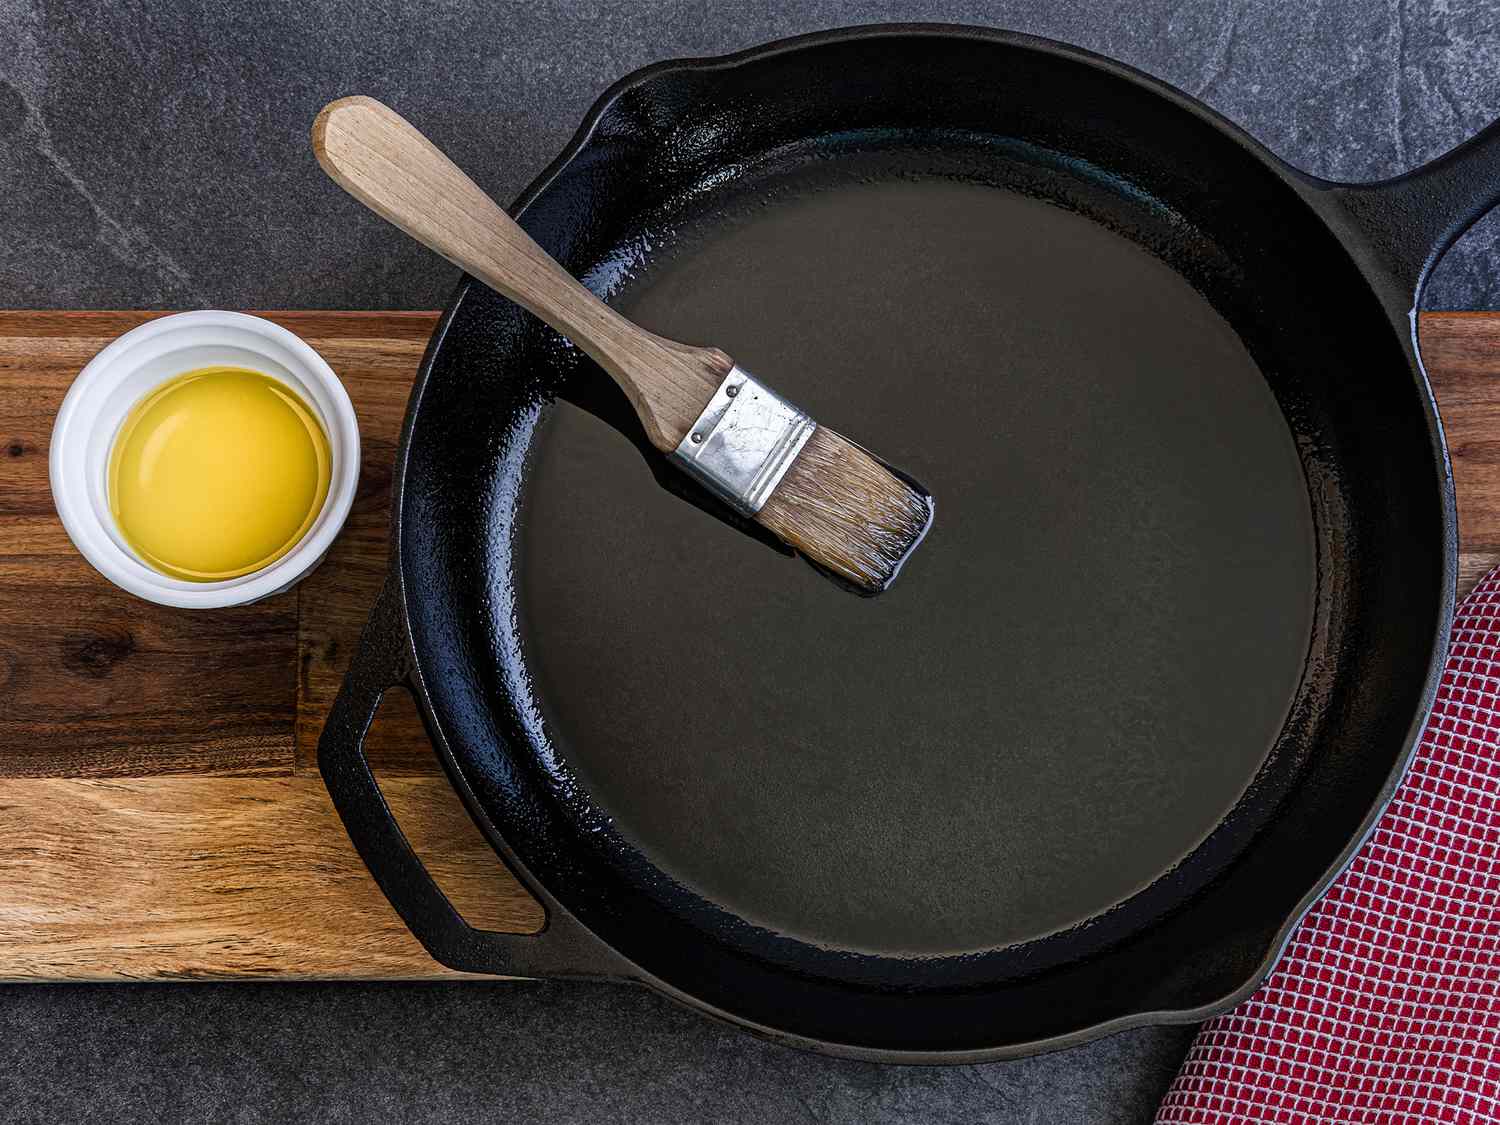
(1131, 708)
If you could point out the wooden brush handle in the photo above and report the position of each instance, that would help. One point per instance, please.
(378, 157)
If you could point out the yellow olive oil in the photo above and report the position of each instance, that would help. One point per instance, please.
(217, 473)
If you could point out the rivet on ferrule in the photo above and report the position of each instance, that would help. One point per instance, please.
(744, 442)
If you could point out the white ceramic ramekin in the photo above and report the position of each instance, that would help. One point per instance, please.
(142, 359)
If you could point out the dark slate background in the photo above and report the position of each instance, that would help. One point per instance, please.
(155, 155)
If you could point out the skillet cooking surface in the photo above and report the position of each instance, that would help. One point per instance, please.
(1078, 674)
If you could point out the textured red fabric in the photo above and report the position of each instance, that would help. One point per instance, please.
(1386, 1005)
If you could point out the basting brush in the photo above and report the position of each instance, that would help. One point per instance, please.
(817, 491)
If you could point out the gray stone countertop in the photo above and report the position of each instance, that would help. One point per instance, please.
(154, 155)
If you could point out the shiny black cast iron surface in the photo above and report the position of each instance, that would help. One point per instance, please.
(1142, 693)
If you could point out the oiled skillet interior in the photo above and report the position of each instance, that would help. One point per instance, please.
(1082, 669)
(807, 939)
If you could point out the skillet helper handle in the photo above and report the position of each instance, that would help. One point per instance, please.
(381, 159)
(563, 948)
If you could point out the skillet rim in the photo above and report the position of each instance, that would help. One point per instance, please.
(1317, 194)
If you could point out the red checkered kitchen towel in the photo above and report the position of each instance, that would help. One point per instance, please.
(1386, 1005)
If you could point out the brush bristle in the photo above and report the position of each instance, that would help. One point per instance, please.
(847, 513)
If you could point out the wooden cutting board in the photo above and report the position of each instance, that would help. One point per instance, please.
(161, 809)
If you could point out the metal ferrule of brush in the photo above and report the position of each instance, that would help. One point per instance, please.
(744, 441)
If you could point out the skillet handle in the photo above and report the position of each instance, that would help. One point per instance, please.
(1408, 222)
(562, 948)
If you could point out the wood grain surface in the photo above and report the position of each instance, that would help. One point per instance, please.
(159, 791)
(159, 794)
